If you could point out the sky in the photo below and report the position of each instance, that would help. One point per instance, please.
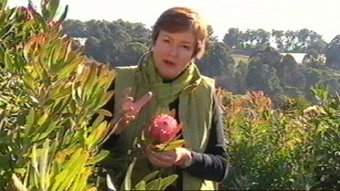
(321, 16)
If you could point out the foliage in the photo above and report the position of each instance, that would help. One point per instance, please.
(217, 61)
(121, 43)
(262, 73)
(49, 96)
(292, 149)
(51, 118)
(151, 181)
(332, 53)
(303, 40)
(118, 43)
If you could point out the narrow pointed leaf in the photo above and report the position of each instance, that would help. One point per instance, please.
(18, 184)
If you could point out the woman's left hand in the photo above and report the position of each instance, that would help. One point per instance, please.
(177, 157)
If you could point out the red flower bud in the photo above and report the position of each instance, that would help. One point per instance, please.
(164, 128)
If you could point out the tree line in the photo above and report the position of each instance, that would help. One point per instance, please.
(264, 68)
(300, 41)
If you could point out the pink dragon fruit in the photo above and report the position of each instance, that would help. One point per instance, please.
(164, 128)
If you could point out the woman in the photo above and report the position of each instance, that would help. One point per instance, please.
(166, 78)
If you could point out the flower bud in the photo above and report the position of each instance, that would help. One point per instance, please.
(164, 128)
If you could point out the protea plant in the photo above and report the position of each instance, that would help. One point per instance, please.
(164, 128)
(49, 93)
(164, 133)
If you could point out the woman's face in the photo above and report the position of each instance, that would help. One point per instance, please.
(173, 52)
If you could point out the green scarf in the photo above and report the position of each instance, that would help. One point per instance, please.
(165, 93)
(195, 93)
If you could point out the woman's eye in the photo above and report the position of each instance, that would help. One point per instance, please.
(166, 40)
(186, 47)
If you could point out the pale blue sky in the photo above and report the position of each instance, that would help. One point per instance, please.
(321, 16)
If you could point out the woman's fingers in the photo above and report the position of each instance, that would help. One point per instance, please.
(137, 105)
(126, 101)
(161, 159)
(130, 108)
(176, 157)
(161, 162)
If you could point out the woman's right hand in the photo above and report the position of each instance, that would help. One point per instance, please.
(129, 108)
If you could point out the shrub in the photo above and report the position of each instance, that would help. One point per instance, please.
(48, 96)
(292, 149)
(51, 118)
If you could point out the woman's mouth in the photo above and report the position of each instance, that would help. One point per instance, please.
(169, 63)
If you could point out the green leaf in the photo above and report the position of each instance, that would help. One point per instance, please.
(70, 67)
(43, 165)
(51, 127)
(154, 185)
(34, 158)
(45, 12)
(96, 135)
(54, 66)
(52, 8)
(9, 63)
(63, 16)
(72, 167)
(151, 176)
(20, 170)
(60, 105)
(91, 189)
(140, 186)
(98, 120)
(63, 92)
(29, 81)
(109, 183)
(81, 181)
(127, 179)
(104, 112)
(167, 181)
(30, 119)
(108, 95)
(18, 184)
(170, 145)
(98, 157)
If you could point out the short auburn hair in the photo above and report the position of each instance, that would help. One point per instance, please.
(180, 19)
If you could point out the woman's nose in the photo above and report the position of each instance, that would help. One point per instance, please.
(173, 50)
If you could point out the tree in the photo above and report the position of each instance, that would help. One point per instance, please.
(262, 75)
(217, 61)
(118, 43)
(332, 53)
(232, 38)
(75, 28)
(255, 40)
(93, 49)
(289, 72)
(314, 60)
(279, 39)
(129, 54)
(303, 41)
(313, 77)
